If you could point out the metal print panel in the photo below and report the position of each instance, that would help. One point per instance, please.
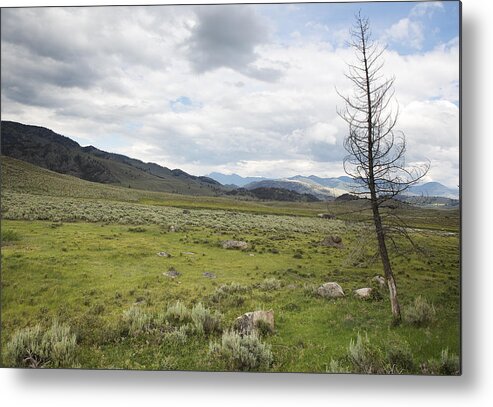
(266, 188)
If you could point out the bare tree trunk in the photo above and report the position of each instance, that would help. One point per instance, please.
(389, 275)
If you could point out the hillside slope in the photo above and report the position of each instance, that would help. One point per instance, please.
(47, 149)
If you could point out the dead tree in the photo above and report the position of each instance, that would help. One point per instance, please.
(376, 151)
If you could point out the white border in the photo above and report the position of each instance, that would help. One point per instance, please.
(474, 388)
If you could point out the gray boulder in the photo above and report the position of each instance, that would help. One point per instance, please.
(332, 241)
(330, 290)
(235, 244)
(364, 293)
(172, 273)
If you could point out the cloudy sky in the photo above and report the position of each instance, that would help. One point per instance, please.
(247, 89)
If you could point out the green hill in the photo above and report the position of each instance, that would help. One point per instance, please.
(47, 149)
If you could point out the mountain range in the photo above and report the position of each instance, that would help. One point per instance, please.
(234, 179)
(328, 188)
(47, 149)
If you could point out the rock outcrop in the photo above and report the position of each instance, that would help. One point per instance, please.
(330, 290)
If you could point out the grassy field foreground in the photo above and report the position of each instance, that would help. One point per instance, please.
(82, 278)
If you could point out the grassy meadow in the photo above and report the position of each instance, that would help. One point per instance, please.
(81, 262)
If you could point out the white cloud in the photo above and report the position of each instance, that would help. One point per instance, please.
(426, 8)
(406, 31)
(410, 31)
(146, 97)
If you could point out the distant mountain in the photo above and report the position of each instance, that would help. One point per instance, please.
(343, 183)
(429, 201)
(274, 194)
(47, 149)
(300, 186)
(430, 189)
(233, 179)
(330, 188)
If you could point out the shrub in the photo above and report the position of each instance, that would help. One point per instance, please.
(421, 313)
(399, 356)
(242, 353)
(204, 320)
(177, 336)
(178, 313)
(335, 367)
(227, 289)
(31, 347)
(136, 321)
(364, 357)
(263, 327)
(310, 289)
(270, 284)
(447, 365)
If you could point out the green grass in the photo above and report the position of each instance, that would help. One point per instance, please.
(88, 274)
(84, 254)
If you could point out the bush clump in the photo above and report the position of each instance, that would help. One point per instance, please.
(178, 336)
(226, 290)
(33, 348)
(399, 356)
(204, 320)
(264, 328)
(336, 367)
(270, 284)
(364, 357)
(242, 353)
(421, 313)
(136, 321)
(447, 365)
(178, 313)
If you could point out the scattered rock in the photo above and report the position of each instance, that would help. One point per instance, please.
(209, 275)
(251, 255)
(363, 293)
(326, 216)
(188, 253)
(235, 244)
(379, 281)
(164, 254)
(330, 290)
(186, 211)
(249, 322)
(332, 241)
(172, 273)
(172, 228)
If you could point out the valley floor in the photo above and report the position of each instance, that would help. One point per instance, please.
(92, 264)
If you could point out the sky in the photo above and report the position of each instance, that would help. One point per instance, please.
(246, 89)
